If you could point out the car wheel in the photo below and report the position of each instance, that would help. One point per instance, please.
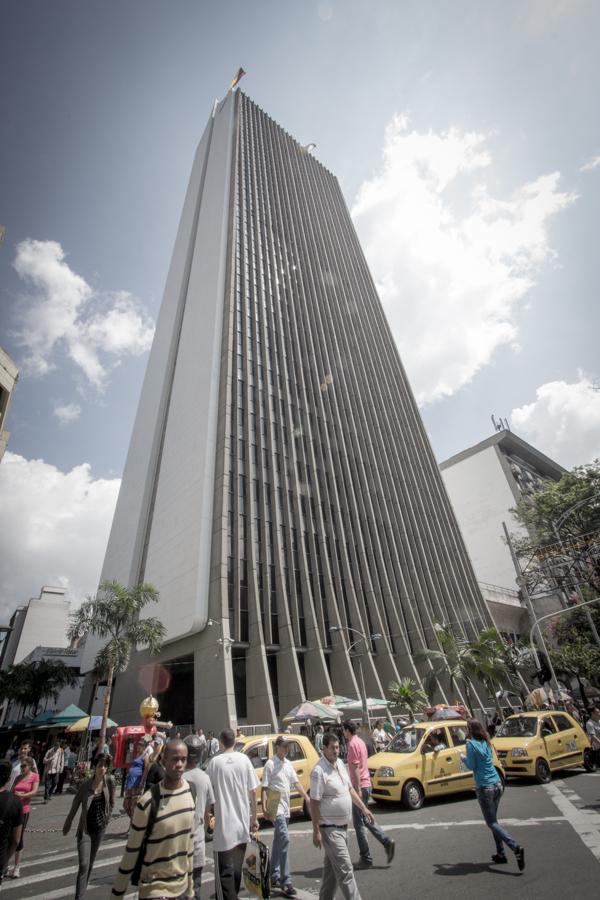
(589, 764)
(542, 771)
(413, 795)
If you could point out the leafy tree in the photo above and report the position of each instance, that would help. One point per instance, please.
(30, 683)
(407, 695)
(115, 614)
(577, 493)
(575, 654)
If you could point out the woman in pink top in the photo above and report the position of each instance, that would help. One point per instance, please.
(25, 786)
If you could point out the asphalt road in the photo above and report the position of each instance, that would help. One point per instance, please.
(442, 850)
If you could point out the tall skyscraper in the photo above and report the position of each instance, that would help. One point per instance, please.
(280, 490)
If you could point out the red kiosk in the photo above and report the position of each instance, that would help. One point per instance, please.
(129, 741)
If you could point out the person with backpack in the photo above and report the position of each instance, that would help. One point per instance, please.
(159, 854)
(96, 797)
(489, 790)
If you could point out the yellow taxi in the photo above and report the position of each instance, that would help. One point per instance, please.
(535, 744)
(301, 753)
(423, 760)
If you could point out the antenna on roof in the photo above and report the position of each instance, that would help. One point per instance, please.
(501, 424)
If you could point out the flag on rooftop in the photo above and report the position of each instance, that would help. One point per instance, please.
(237, 78)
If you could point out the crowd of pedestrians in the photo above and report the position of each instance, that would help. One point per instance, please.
(201, 786)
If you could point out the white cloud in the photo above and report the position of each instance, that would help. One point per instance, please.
(592, 163)
(62, 311)
(563, 421)
(450, 261)
(54, 529)
(67, 412)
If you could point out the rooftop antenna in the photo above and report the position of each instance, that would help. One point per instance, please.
(501, 424)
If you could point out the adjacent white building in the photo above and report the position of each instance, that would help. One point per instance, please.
(484, 483)
(9, 375)
(42, 621)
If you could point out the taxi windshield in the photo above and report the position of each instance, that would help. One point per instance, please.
(518, 726)
(406, 741)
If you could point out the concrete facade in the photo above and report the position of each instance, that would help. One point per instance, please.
(279, 482)
(43, 621)
(9, 375)
(484, 483)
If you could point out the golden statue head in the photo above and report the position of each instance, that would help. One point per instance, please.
(149, 707)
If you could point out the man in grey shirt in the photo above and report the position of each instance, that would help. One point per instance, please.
(204, 800)
(331, 799)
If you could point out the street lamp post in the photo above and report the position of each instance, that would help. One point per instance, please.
(358, 656)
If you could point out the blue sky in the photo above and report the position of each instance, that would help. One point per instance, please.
(466, 139)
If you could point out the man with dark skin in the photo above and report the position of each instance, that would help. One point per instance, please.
(168, 856)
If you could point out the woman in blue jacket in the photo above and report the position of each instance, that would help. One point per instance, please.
(488, 787)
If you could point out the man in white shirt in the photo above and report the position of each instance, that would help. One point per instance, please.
(592, 727)
(204, 800)
(279, 777)
(212, 745)
(54, 763)
(234, 785)
(331, 799)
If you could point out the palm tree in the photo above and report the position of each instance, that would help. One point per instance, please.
(489, 664)
(115, 614)
(407, 695)
(30, 683)
(454, 659)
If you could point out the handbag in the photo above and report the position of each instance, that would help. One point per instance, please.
(257, 869)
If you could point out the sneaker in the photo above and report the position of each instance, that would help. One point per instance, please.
(275, 881)
(390, 849)
(363, 864)
(520, 854)
(288, 890)
(499, 859)
(15, 872)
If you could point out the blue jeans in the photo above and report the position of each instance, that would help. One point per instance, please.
(361, 825)
(489, 798)
(280, 863)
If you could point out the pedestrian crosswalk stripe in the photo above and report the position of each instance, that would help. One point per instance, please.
(64, 892)
(16, 883)
(42, 860)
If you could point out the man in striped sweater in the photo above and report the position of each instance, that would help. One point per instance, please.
(167, 866)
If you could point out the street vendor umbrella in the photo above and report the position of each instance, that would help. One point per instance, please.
(372, 703)
(312, 710)
(69, 715)
(94, 725)
(448, 712)
(335, 700)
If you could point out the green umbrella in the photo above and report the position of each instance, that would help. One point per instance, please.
(69, 715)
